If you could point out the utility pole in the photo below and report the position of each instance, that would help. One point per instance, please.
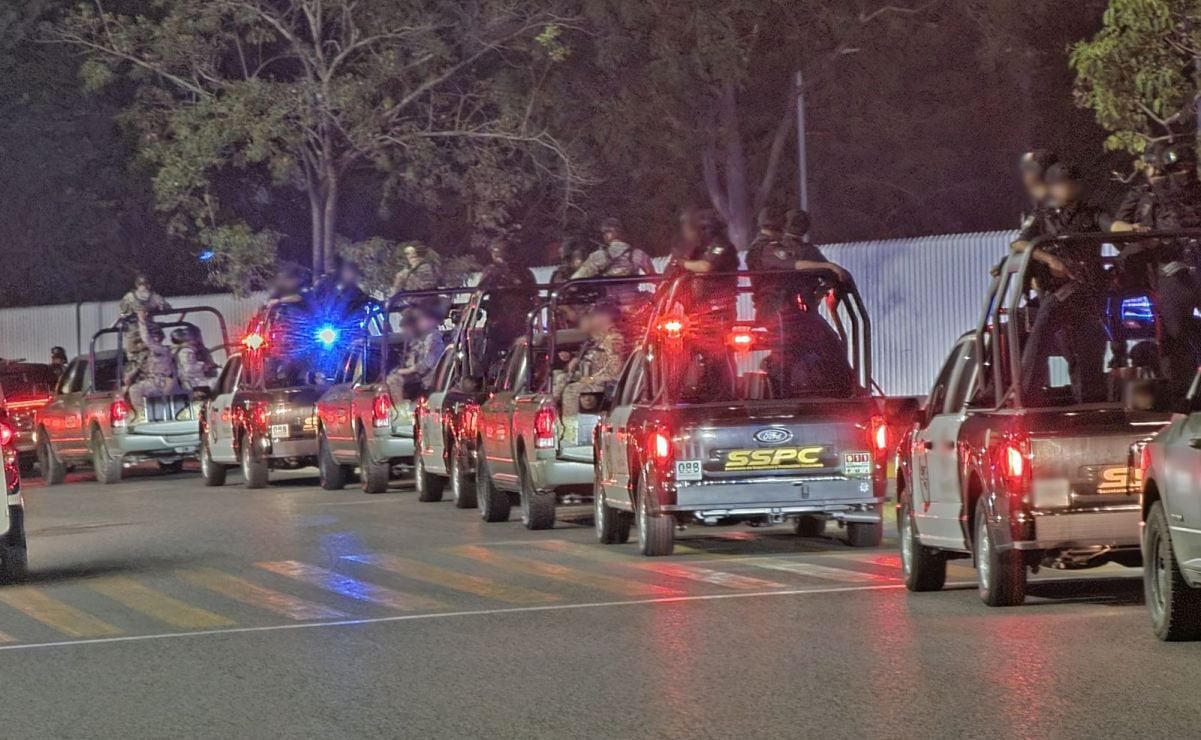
(802, 154)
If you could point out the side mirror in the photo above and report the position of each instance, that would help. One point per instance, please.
(594, 402)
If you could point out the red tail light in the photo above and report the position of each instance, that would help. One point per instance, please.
(1011, 461)
(254, 341)
(381, 411)
(260, 416)
(6, 435)
(544, 428)
(119, 413)
(659, 446)
(673, 328)
(879, 431)
(471, 420)
(741, 339)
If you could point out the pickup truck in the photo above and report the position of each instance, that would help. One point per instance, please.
(25, 389)
(361, 420)
(262, 414)
(91, 419)
(446, 421)
(14, 557)
(1017, 477)
(724, 416)
(526, 453)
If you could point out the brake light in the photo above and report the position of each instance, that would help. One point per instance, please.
(1015, 462)
(741, 339)
(6, 435)
(659, 446)
(119, 413)
(254, 341)
(471, 420)
(260, 416)
(879, 438)
(1011, 460)
(544, 428)
(381, 410)
(673, 328)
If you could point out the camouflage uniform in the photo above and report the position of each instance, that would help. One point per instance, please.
(156, 374)
(194, 368)
(616, 259)
(599, 364)
(422, 277)
(128, 308)
(422, 355)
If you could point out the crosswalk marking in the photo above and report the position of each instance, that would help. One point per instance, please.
(350, 587)
(563, 573)
(158, 605)
(824, 572)
(55, 614)
(452, 579)
(239, 589)
(669, 570)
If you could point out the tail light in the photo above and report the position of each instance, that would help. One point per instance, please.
(1011, 462)
(260, 416)
(381, 411)
(119, 413)
(879, 432)
(544, 428)
(741, 339)
(470, 420)
(673, 327)
(254, 341)
(7, 434)
(658, 446)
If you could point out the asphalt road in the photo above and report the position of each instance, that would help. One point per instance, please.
(160, 608)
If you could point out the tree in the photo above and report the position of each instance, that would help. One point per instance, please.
(1141, 73)
(433, 95)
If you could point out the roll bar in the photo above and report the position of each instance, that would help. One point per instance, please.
(180, 320)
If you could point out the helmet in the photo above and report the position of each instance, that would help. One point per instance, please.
(182, 334)
(770, 219)
(797, 222)
(1062, 172)
(1038, 161)
(613, 225)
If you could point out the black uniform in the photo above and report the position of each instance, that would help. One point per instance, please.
(1069, 316)
(511, 299)
(769, 252)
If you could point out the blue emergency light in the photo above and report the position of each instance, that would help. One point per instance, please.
(327, 335)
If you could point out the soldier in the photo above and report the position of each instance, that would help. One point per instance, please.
(141, 298)
(616, 257)
(416, 375)
(572, 255)
(1070, 278)
(156, 374)
(289, 286)
(501, 272)
(193, 363)
(598, 365)
(58, 361)
(422, 272)
(777, 249)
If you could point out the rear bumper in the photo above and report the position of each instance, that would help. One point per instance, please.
(293, 447)
(556, 474)
(156, 445)
(1116, 527)
(847, 499)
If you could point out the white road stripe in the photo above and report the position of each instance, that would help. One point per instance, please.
(827, 573)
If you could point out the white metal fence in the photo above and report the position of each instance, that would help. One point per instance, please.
(921, 294)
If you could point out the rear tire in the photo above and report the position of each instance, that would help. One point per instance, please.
(810, 525)
(865, 534)
(108, 468)
(333, 475)
(1175, 606)
(925, 568)
(494, 503)
(52, 469)
(462, 485)
(612, 525)
(1002, 574)
(429, 486)
(254, 468)
(373, 476)
(656, 533)
(212, 471)
(537, 507)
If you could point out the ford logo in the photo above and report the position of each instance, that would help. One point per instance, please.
(773, 436)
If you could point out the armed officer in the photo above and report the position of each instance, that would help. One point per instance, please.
(616, 257)
(598, 365)
(155, 374)
(1070, 279)
(775, 248)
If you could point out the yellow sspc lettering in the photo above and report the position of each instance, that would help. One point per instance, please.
(737, 459)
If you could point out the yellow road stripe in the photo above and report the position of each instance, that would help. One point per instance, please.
(557, 572)
(669, 570)
(246, 592)
(455, 580)
(158, 605)
(349, 587)
(54, 613)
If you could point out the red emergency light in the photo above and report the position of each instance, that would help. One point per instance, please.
(741, 339)
(254, 341)
(673, 327)
(7, 434)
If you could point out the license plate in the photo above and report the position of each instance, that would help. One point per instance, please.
(857, 464)
(688, 470)
(280, 430)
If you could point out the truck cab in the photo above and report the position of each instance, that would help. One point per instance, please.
(25, 389)
(1018, 476)
(723, 415)
(92, 418)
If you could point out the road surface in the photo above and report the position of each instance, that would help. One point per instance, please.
(160, 608)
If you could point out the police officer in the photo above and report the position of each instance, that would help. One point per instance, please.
(598, 365)
(289, 287)
(777, 249)
(338, 295)
(156, 374)
(416, 376)
(58, 361)
(1033, 168)
(502, 272)
(1170, 200)
(1070, 278)
(616, 257)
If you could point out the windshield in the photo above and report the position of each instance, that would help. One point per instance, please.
(764, 337)
(26, 381)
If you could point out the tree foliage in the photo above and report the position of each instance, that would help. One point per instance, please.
(1141, 73)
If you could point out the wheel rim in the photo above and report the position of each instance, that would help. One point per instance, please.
(983, 564)
(1158, 576)
(906, 542)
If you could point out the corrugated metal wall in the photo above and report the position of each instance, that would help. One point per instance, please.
(921, 294)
